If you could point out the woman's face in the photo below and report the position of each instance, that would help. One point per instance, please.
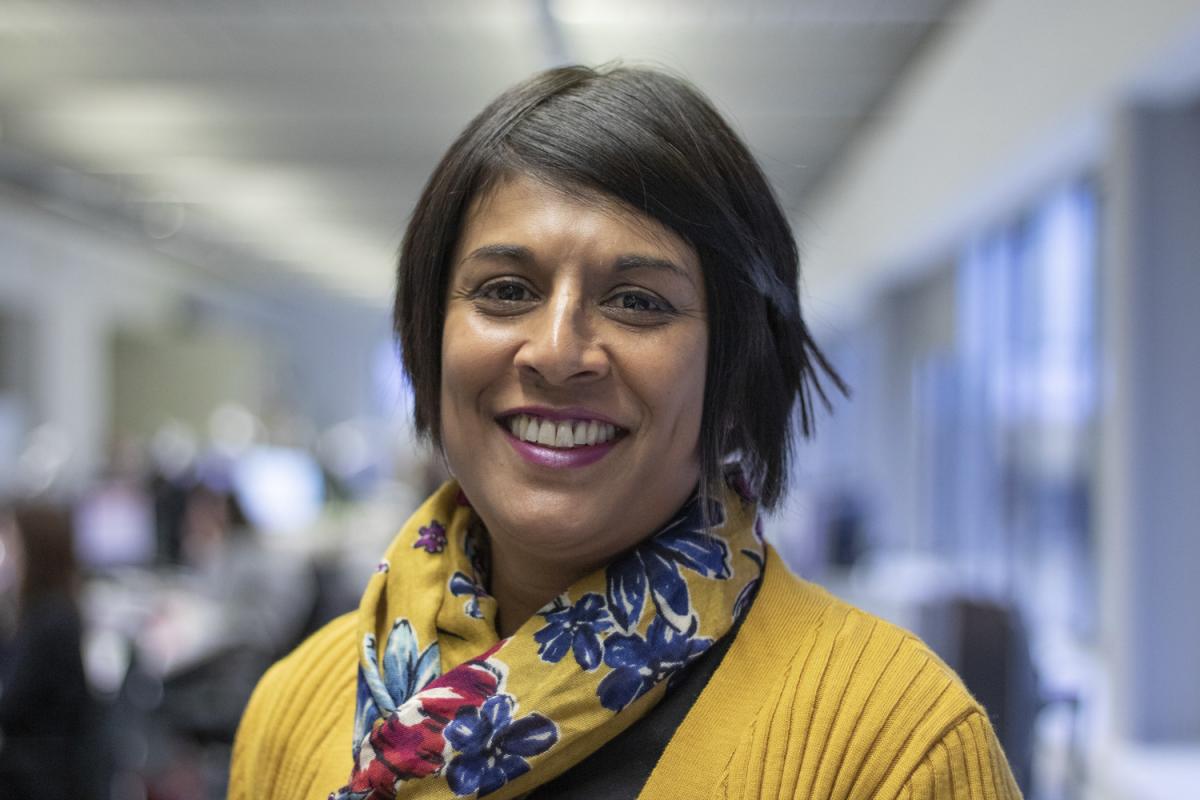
(573, 368)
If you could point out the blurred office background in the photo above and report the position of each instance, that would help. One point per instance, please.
(204, 431)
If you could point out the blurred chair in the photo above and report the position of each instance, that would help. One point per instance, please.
(986, 644)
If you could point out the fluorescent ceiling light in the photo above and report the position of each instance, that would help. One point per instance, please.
(121, 124)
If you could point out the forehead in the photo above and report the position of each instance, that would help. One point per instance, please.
(521, 209)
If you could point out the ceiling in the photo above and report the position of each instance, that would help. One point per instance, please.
(293, 137)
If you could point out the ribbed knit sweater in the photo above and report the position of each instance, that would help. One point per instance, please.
(814, 699)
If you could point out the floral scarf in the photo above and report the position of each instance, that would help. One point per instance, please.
(447, 709)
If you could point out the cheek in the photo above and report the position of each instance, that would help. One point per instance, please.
(694, 380)
(471, 361)
(673, 376)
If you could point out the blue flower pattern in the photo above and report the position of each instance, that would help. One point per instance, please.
(493, 745)
(655, 565)
(406, 670)
(600, 629)
(461, 585)
(639, 664)
(574, 628)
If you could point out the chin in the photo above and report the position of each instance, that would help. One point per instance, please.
(587, 523)
(555, 520)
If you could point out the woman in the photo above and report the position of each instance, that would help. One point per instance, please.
(48, 745)
(597, 306)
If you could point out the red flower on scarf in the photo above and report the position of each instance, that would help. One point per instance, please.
(401, 751)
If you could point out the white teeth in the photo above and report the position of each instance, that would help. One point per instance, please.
(560, 434)
(565, 437)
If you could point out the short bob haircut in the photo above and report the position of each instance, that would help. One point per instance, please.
(656, 144)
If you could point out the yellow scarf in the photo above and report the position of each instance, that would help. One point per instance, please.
(448, 709)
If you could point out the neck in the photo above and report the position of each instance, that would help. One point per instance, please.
(522, 584)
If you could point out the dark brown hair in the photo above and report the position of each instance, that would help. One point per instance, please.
(656, 144)
(47, 539)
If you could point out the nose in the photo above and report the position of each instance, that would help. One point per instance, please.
(560, 347)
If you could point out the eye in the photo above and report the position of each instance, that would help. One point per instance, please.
(510, 291)
(504, 292)
(639, 302)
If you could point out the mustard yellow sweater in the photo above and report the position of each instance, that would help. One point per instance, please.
(814, 699)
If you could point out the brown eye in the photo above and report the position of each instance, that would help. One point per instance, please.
(505, 292)
(510, 291)
(633, 302)
(639, 302)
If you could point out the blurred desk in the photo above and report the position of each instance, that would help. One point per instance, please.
(186, 630)
(169, 626)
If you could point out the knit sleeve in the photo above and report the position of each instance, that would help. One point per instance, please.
(301, 712)
(250, 742)
(966, 764)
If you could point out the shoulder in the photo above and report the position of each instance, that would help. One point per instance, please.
(798, 627)
(818, 698)
(317, 665)
(871, 708)
(297, 707)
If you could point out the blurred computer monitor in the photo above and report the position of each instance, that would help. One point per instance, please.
(114, 527)
(281, 490)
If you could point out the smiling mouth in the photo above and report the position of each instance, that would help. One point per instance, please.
(561, 434)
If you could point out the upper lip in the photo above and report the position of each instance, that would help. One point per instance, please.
(574, 413)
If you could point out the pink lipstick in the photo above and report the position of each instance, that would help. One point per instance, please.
(545, 456)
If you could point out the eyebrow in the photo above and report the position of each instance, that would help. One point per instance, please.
(508, 252)
(623, 263)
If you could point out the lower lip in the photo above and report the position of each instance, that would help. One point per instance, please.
(560, 458)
